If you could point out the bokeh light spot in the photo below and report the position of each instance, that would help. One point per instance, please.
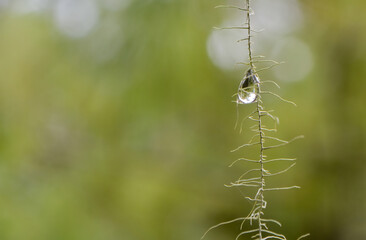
(76, 18)
(277, 17)
(297, 56)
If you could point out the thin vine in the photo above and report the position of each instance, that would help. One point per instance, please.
(250, 91)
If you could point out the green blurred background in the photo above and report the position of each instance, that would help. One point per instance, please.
(117, 121)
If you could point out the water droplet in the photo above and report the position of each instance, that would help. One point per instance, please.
(248, 88)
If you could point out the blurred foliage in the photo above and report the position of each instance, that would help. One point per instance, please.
(136, 145)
